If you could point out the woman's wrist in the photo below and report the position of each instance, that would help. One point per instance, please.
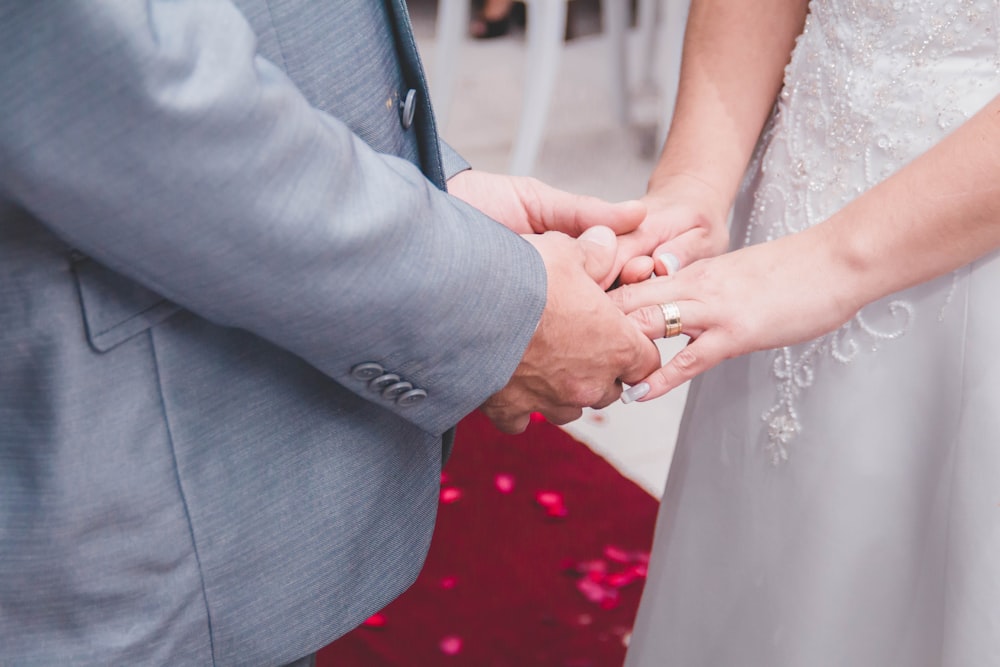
(695, 191)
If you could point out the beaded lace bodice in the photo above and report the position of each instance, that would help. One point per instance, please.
(870, 86)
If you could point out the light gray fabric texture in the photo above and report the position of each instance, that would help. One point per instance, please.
(451, 161)
(209, 214)
(837, 502)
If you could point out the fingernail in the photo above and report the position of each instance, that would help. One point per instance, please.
(670, 262)
(602, 236)
(635, 393)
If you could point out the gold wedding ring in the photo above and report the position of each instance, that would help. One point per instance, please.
(671, 319)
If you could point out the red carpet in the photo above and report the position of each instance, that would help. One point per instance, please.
(538, 559)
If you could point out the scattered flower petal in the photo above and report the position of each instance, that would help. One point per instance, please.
(548, 498)
(591, 566)
(617, 554)
(558, 512)
(375, 621)
(553, 503)
(504, 483)
(620, 579)
(450, 494)
(451, 645)
(591, 589)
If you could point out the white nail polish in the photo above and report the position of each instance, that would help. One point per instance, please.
(670, 262)
(635, 393)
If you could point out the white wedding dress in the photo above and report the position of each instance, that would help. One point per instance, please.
(837, 503)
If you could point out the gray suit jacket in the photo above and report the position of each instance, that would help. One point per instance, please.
(211, 218)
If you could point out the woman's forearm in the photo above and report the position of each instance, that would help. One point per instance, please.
(735, 52)
(938, 213)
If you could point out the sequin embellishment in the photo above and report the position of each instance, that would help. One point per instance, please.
(870, 86)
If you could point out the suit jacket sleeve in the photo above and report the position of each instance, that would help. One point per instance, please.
(152, 137)
(451, 161)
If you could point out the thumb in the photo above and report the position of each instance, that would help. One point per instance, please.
(671, 256)
(600, 246)
(552, 209)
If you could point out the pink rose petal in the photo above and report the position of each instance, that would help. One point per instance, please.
(553, 503)
(548, 498)
(375, 621)
(640, 570)
(451, 645)
(557, 512)
(591, 590)
(504, 483)
(450, 494)
(592, 566)
(620, 579)
(610, 601)
(617, 554)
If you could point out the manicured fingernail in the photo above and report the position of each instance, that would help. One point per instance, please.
(670, 263)
(635, 393)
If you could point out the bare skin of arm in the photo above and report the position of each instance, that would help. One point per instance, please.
(940, 212)
(735, 52)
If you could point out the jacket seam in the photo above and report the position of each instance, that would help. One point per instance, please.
(180, 489)
(277, 38)
(131, 318)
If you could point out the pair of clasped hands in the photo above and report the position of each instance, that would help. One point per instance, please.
(590, 340)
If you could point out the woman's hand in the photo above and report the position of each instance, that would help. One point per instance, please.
(761, 297)
(686, 221)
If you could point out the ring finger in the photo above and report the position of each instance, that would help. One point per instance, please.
(669, 319)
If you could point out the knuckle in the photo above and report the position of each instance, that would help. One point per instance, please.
(624, 296)
(720, 242)
(565, 416)
(686, 360)
(650, 318)
(608, 398)
(532, 197)
(586, 395)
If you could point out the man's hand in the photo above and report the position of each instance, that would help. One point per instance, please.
(584, 346)
(528, 206)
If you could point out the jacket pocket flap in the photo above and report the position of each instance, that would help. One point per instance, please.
(116, 308)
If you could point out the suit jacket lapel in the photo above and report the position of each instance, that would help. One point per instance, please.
(424, 124)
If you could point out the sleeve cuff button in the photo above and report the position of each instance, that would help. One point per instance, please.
(366, 371)
(411, 397)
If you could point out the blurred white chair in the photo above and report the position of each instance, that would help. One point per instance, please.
(661, 29)
(544, 33)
